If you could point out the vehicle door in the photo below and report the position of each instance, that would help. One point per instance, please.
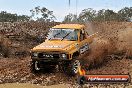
(83, 42)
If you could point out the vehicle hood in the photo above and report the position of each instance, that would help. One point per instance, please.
(55, 46)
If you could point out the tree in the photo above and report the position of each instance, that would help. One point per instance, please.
(42, 14)
(125, 14)
(100, 15)
(23, 18)
(72, 18)
(8, 17)
(87, 15)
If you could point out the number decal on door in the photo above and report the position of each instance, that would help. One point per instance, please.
(84, 48)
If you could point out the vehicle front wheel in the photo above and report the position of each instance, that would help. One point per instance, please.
(35, 68)
(72, 68)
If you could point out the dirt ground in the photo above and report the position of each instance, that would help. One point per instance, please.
(18, 71)
(113, 44)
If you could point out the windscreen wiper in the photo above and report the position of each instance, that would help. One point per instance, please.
(55, 35)
(65, 36)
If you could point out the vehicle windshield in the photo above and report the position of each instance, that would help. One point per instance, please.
(62, 34)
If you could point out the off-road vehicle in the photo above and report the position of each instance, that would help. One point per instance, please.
(64, 43)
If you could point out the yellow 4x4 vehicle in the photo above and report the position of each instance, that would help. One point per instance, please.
(64, 43)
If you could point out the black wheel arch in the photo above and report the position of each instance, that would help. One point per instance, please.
(75, 55)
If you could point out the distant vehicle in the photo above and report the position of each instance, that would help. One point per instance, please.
(64, 43)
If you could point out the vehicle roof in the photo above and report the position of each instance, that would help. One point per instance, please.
(71, 26)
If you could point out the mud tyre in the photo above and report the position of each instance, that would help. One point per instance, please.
(72, 68)
(35, 68)
(81, 80)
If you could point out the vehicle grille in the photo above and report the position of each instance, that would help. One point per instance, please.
(48, 55)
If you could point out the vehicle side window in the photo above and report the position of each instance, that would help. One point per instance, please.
(82, 35)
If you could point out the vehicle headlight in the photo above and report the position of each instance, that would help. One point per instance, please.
(35, 54)
(64, 56)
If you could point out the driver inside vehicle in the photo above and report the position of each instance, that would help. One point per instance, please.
(63, 34)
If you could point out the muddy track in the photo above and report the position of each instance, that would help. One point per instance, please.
(11, 65)
(17, 70)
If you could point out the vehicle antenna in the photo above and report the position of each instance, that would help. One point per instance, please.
(69, 10)
(76, 9)
(69, 3)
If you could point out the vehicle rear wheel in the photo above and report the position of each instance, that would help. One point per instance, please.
(81, 80)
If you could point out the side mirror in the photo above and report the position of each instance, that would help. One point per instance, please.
(82, 31)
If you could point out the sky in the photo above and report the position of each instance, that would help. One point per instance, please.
(61, 7)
